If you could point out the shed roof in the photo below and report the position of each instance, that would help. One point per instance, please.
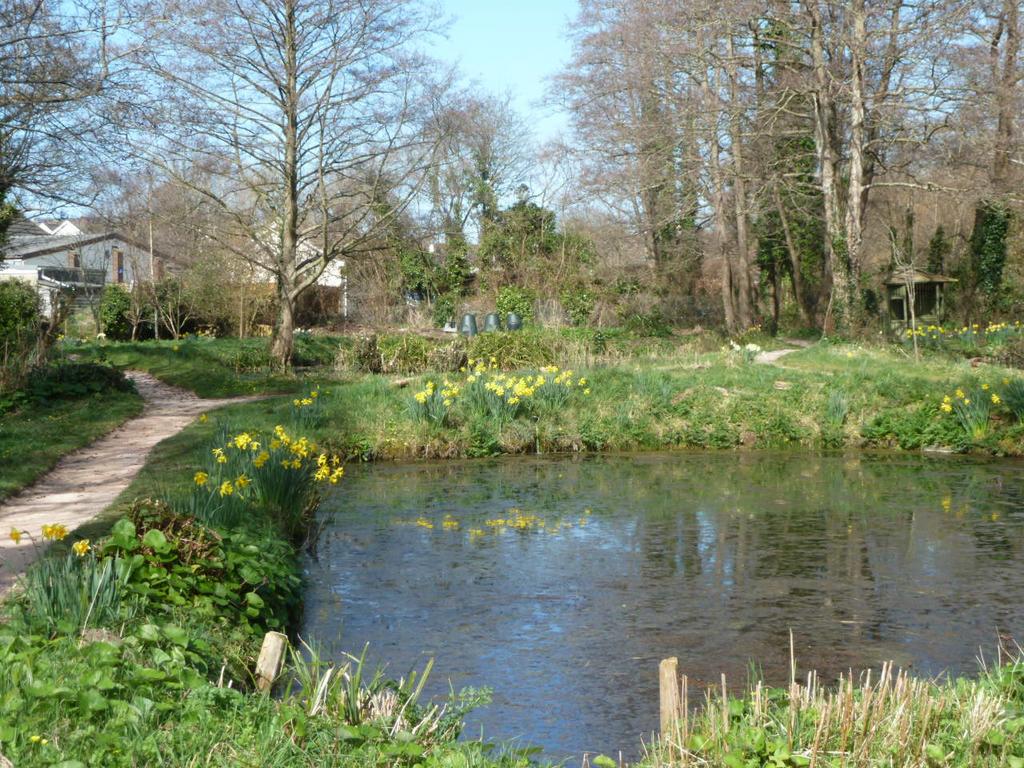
(900, 276)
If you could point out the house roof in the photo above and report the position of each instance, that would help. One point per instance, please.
(901, 276)
(22, 227)
(31, 246)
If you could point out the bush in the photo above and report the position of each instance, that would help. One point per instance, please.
(514, 298)
(64, 381)
(115, 305)
(579, 303)
(19, 312)
(515, 349)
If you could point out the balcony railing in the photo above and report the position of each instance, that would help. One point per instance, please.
(74, 275)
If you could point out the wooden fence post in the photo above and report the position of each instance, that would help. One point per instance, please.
(668, 687)
(271, 659)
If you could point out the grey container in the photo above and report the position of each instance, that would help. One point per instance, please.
(492, 322)
(468, 325)
(514, 321)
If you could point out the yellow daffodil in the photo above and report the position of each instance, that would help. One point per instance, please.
(15, 535)
(201, 477)
(54, 532)
(81, 548)
(996, 399)
(203, 418)
(242, 481)
(260, 460)
(226, 488)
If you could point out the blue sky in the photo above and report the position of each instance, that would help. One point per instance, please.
(511, 47)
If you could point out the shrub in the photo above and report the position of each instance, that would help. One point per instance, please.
(514, 298)
(515, 349)
(115, 305)
(579, 304)
(19, 311)
(444, 308)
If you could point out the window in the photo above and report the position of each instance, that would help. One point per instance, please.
(119, 264)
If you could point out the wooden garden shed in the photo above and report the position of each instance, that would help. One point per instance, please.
(928, 291)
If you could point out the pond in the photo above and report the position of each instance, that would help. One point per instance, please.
(560, 583)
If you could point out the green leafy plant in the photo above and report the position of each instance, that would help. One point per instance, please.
(514, 298)
(115, 304)
(579, 304)
(70, 593)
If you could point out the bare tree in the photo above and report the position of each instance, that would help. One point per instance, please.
(56, 59)
(306, 115)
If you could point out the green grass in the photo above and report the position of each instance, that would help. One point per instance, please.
(889, 719)
(209, 367)
(35, 437)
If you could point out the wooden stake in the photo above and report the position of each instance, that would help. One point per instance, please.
(668, 686)
(268, 665)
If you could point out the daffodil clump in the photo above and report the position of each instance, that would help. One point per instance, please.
(972, 407)
(486, 391)
(279, 471)
(49, 532)
(307, 409)
(973, 335)
(747, 352)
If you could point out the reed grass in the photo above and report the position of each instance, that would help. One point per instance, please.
(879, 718)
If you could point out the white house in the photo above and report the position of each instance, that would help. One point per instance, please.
(61, 256)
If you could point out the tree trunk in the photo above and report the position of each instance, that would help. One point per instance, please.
(1006, 101)
(282, 347)
(795, 262)
(284, 329)
(836, 265)
(745, 291)
(854, 225)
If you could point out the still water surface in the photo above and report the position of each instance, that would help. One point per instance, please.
(620, 561)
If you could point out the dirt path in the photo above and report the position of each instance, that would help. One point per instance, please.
(86, 482)
(768, 358)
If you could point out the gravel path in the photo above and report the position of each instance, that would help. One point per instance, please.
(87, 481)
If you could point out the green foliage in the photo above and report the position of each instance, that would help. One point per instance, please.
(68, 594)
(115, 304)
(417, 270)
(514, 298)
(802, 726)
(939, 248)
(512, 350)
(988, 245)
(8, 213)
(652, 323)
(19, 315)
(579, 303)
(444, 308)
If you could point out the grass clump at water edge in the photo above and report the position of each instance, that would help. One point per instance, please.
(884, 719)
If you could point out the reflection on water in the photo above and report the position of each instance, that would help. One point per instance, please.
(709, 557)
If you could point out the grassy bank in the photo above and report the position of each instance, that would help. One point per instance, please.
(890, 719)
(825, 397)
(62, 409)
(136, 647)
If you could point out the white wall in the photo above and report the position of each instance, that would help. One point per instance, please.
(100, 255)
